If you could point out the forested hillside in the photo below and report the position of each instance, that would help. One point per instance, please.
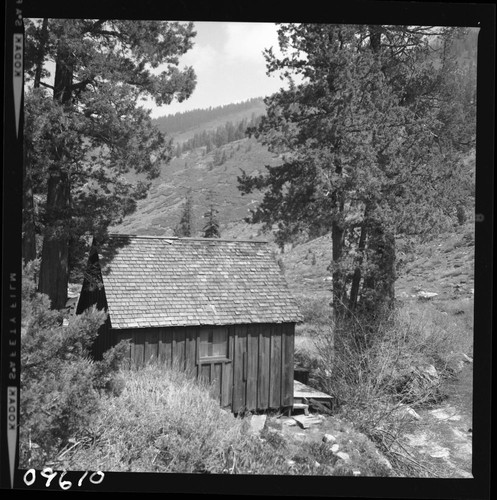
(211, 149)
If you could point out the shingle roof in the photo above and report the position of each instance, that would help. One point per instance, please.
(154, 281)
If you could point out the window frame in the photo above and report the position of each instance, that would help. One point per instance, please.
(203, 360)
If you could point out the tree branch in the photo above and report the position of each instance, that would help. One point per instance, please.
(43, 84)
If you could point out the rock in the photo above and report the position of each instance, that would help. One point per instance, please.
(429, 372)
(344, 456)
(328, 438)
(335, 448)
(439, 452)
(426, 295)
(290, 463)
(383, 460)
(356, 472)
(455, 365)
(257, 423)
(407, 411)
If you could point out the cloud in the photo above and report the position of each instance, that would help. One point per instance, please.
(245, 42)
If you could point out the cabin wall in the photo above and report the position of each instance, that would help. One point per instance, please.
(257, 373)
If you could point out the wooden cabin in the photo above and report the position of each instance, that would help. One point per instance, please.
(220, 308)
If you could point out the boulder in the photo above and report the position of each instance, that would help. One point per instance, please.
(335, 448)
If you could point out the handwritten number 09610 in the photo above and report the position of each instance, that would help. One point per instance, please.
(30, 477)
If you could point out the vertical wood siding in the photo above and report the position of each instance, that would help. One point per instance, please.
(257, 375)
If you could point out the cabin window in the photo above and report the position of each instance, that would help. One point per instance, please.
(213, 343)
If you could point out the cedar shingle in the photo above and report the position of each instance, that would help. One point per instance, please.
(181, 281)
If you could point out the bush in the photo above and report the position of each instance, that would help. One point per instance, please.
(60, 383)
(376, 372)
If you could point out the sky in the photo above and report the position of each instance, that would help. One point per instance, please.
(228, 60)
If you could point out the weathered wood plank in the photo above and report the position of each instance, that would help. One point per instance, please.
(228, 372)
(288, 339)
(151, 345)
(263, 368)
(275, 370)
(190, 349)
(216, 376)
(205, 373)
(179, 348)
(252, 366)
(239, 361)
(165, 346)
(139, 341)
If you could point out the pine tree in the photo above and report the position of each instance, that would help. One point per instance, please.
(361, 139)
(211, 228)
(86, 129)
(184, 228)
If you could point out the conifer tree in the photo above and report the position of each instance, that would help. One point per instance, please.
(86, 129)
(361, 139)
(184, 228)
(211, 228)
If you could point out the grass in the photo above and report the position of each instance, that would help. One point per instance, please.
(166, 421)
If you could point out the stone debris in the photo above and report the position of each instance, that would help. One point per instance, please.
(257, 423)
(328, 438)
(440, 452)
(383, 460)
(407, 411)
(344, 456)
(429, 372)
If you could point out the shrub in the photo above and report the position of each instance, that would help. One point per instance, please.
(374, 372)
(60, 384)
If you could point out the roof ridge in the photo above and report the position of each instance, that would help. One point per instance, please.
(220, 240)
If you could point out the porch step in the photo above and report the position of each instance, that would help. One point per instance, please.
(301, 406)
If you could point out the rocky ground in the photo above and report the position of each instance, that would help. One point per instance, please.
(436, 282)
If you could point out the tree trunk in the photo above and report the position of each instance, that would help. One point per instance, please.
(356, 279)
(54, 268)
(379, 285)
(40, 56)
(28, 208)
(338, 276)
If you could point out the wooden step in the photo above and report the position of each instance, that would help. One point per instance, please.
(301, 406)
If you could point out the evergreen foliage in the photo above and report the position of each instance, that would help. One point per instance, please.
(211, 228)
(60, 384)
(85, 130)
(184, 228)
(183, 121)
(214, 139)
(369, 143)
